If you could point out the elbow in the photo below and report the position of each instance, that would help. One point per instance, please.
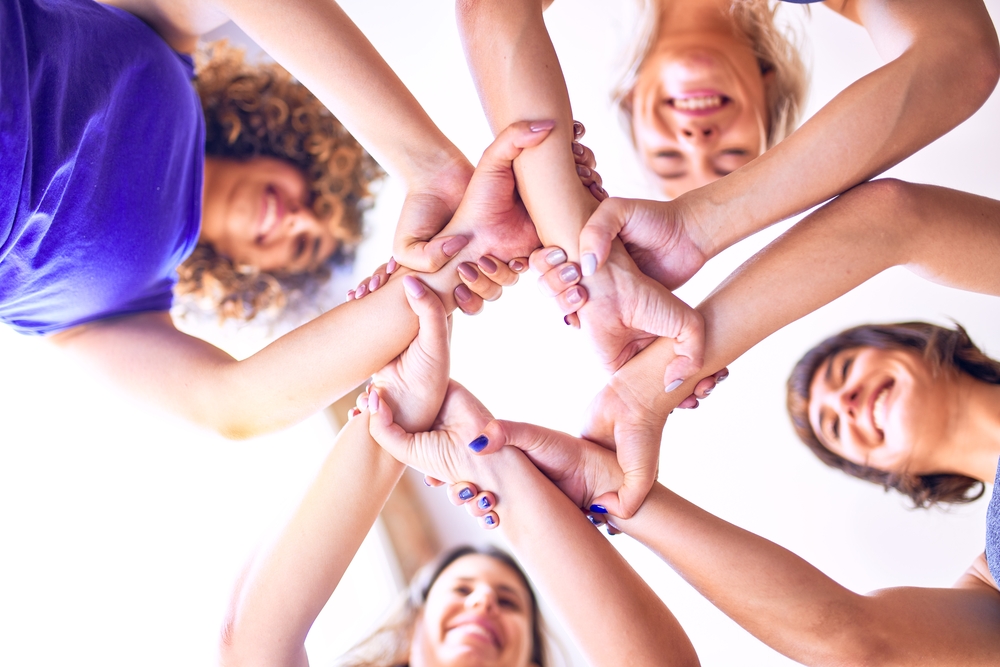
(968, 68)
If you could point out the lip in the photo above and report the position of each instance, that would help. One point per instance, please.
(871, 405)
(695, 94)
(266, 225)
(482, 622)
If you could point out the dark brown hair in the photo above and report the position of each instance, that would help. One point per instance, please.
(258, 109)
(942, 349)
(389, 645)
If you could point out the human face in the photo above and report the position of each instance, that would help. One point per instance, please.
(256, 212)
(478, 613)
(882, 408)
(698, 110)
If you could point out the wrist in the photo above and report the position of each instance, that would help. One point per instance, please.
(706, 214)
(638, 523)
(446, 175)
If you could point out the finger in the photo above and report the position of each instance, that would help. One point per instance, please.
(570, 302)
(599, 193)
(460, 493)
(601, 229)
(361, 290)
(583, 155)
(482, 504)
(477, 281)
(559, 278)
(543, 259)
(511, 141)
(384, 430)
(597, 519)
(689, 403)
(361, 402)
(588, 176)
(432, 481)
(518, 264)
(704, 387)
(689, 346)
(352, 413)
(500, 433)
(433, 333)
(350, 295)
(426, 256)
(469, 303)
(578, 129)
(489, 521)
(379, 277)
(627, 500)
(572, 320)
(391, 266)
(497, 271)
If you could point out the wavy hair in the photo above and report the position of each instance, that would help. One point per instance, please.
(258, 109)
(943, 350)
(389, 644)
(777, 54)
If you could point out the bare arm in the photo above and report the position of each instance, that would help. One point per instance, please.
(797, 610)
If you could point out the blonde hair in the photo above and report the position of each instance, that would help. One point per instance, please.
(776, 50)
(256, 110)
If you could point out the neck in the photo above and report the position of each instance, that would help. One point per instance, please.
(975, 429)
(679, 17)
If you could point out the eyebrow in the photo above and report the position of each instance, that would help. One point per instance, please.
(503, 587)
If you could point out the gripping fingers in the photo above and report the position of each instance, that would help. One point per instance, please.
(478, 282)
(460, 493)
(468, 302)
(543, 259)
(559, 278)
(704, 387)
(599, 232)
(481, 505)
(497, 271)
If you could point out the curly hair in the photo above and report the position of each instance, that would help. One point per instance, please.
(389, 644)
(256, 110)
(942, 349)
(777, 54)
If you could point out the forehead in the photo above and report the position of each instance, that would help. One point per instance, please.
(481, 568)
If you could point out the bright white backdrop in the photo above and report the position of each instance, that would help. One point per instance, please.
(122, 529)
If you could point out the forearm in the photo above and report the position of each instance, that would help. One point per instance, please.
(287, 585)
(320, 45)
(518, 77)
(942, 66)
(579, 573)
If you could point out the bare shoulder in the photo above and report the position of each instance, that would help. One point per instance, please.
(179, 22)
(846, 8)
(978, 576)
(114, 327)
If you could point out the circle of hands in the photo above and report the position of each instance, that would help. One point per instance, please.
(435, 425)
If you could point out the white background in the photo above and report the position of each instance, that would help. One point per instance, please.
(122, 529)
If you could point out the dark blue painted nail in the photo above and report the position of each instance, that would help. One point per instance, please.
(599, 509)
(593, 520)
(465, 493)
(479, 444)
(484, 503)
(490, 521)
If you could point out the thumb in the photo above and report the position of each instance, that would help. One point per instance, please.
(628, 499)
(599, 232)
(426, 256)
(511, 141)
(528, 438)
(660, 312)
(432, 336)
(388, 434)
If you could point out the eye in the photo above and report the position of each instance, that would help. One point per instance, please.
(462, 589)
(738, 152)
(510, 603)
(300, 246)
(670, 155)
(846, 369)
(835, 428)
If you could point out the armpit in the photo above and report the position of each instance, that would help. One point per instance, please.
(978, 576)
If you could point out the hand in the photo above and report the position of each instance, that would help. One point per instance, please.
(586, 164)
(662, 238)
(417, 379)
(442, 452)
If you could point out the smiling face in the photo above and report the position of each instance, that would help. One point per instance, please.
(478, 613)
(882, 408)
(256, 213)
(698, 110)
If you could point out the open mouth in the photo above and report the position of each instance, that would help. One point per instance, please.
(699, 104)
(271, 214)
(878, 407)
(480, 630)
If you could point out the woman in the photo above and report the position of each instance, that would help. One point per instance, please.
(483, 616)
(96, 223)
(941, 59)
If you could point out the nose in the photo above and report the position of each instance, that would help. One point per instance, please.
(849, 402)
(300, 219)
(482, 597)
(699, 133)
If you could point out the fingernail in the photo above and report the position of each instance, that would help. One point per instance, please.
(463, 293)
(453, 245)
(484, 503)
(578, 128)
(569, 274)
(490, 520)
(583, 171)
(361, 291)
(593, 520)
(589, 264)
(350, 295)
(465, 494)
(709, 391)
(516, 266)
(426, 482)
(374, 283)
(391, 266)
(599, 509)
(574, 296)
(413, 287)
(673, 385)
(373, 402)
(605, 192)
(556, 257)
(721, 378)
(468, 271)
(566, 320)
(577, 148)
(541, 125)
(479, 444)
(487, 265)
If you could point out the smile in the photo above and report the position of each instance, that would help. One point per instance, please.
(479, 629)
(698, 104)
(270, 216)
(878, 408)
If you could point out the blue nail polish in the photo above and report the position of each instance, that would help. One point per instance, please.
(593, 520)
(465, 493)
(599, 509)
(484, 503)
(490, 520)
(479, 444)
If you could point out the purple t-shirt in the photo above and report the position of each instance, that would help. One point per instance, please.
(993, 530)
(101, 159)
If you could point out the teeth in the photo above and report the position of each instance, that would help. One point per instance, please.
(878, 409)
(697, 103)
(270, 215)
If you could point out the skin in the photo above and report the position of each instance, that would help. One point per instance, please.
(698, 55)
(478, 612)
